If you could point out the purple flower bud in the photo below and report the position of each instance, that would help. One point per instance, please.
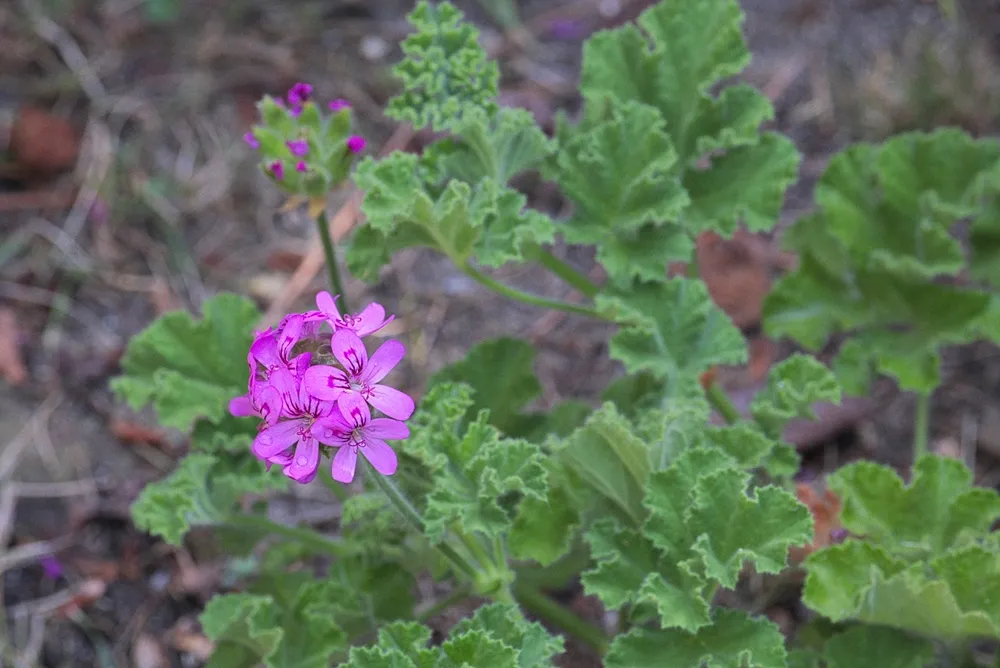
(51, 566)
(838, 535)
(277, 170)
(356, 143)
(298, 147)
(338, 104)
(299, 93)
(301, 166)
(251, 140)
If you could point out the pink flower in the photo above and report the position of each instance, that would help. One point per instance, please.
(291, 443)
(298, 147)
(356, 143)
(301, 166)
(339, 104)
(360, 375)
(351, 428)
(299, 94)
(251, 140)
(277, 170)
(370, 320)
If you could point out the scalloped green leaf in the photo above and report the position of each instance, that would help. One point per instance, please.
(486, 219)
(928, 516)
(672, 330)
(745, 184)
(446, 74)
(733, 640)
(189, 369)
(169, 507)
(610, 458)
(877, 647)
(536, 647)
(475, 471)
(497, 148)
(793, 387)
(285, 622)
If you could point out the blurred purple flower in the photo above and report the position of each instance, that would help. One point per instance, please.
(277, 170)
(251, 140)
(339, 104)
(356, 143)
(298, 147)
(299, 94)
(301, 166)
(51, 567)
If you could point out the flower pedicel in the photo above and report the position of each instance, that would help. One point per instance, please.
(309, 405)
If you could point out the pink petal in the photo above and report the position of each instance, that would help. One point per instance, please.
(394, 430)
(305, 462)
(385, 359)
(290, 335)
(344, 463)
(350, 351)
(371, 319)
(325, 382)
(265, 349)
(328, 304)
(299, 365)
(391, 401)
(380, 455)
(354, 409)
(241, 407)
(276, 439)
(285, 384)
(269, 400)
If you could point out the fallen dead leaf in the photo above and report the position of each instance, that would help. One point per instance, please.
(43, 145)
(162, 297)
(11, 365)
(825, 510)
(133, 433)
(738, 278)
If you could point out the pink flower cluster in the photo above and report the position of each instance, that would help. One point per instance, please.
(315, 391)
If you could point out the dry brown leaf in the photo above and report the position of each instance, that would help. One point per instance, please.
(825, 510)
(11, 365)
(43, 145)
(737, 277)
(147, 652)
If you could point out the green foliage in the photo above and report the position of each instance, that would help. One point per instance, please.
(923, 565)
(701, 527)
(877, 258)
(733, 640)
(202, 491)
(445, 73)
(674, 331)
(286, 621)
(495, 636)
(186, 367)
(877, 647)
(501, 374)
(478, 475)
(486, 219)
(793, 386)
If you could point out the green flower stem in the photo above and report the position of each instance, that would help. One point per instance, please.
(406, 508)
(527, 297)
(258, 524)
(567, 273)
(543, 606)
(721, 402)
(476, 549)
(331, 260)
(921, 424)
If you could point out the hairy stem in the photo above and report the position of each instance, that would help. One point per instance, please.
(527, 297)
(564, 271)
(330, 253)
(258, 524)
(721, 402)
(921, 424)
(543, 606)
(403, 505)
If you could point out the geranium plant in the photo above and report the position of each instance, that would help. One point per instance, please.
(641, 498)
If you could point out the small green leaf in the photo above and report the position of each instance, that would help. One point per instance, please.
(544, 529)
(167, 508)
(446, 74)
(877, 647)
(673, 330)
(610, 458)
(929, 515)
(500, 372)
(505, 623)
(241, 626)
(793, 386)
(745, 184)
(475, 470)
(734, 527)
(839, 575)
(187, 368)
(734, 640)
